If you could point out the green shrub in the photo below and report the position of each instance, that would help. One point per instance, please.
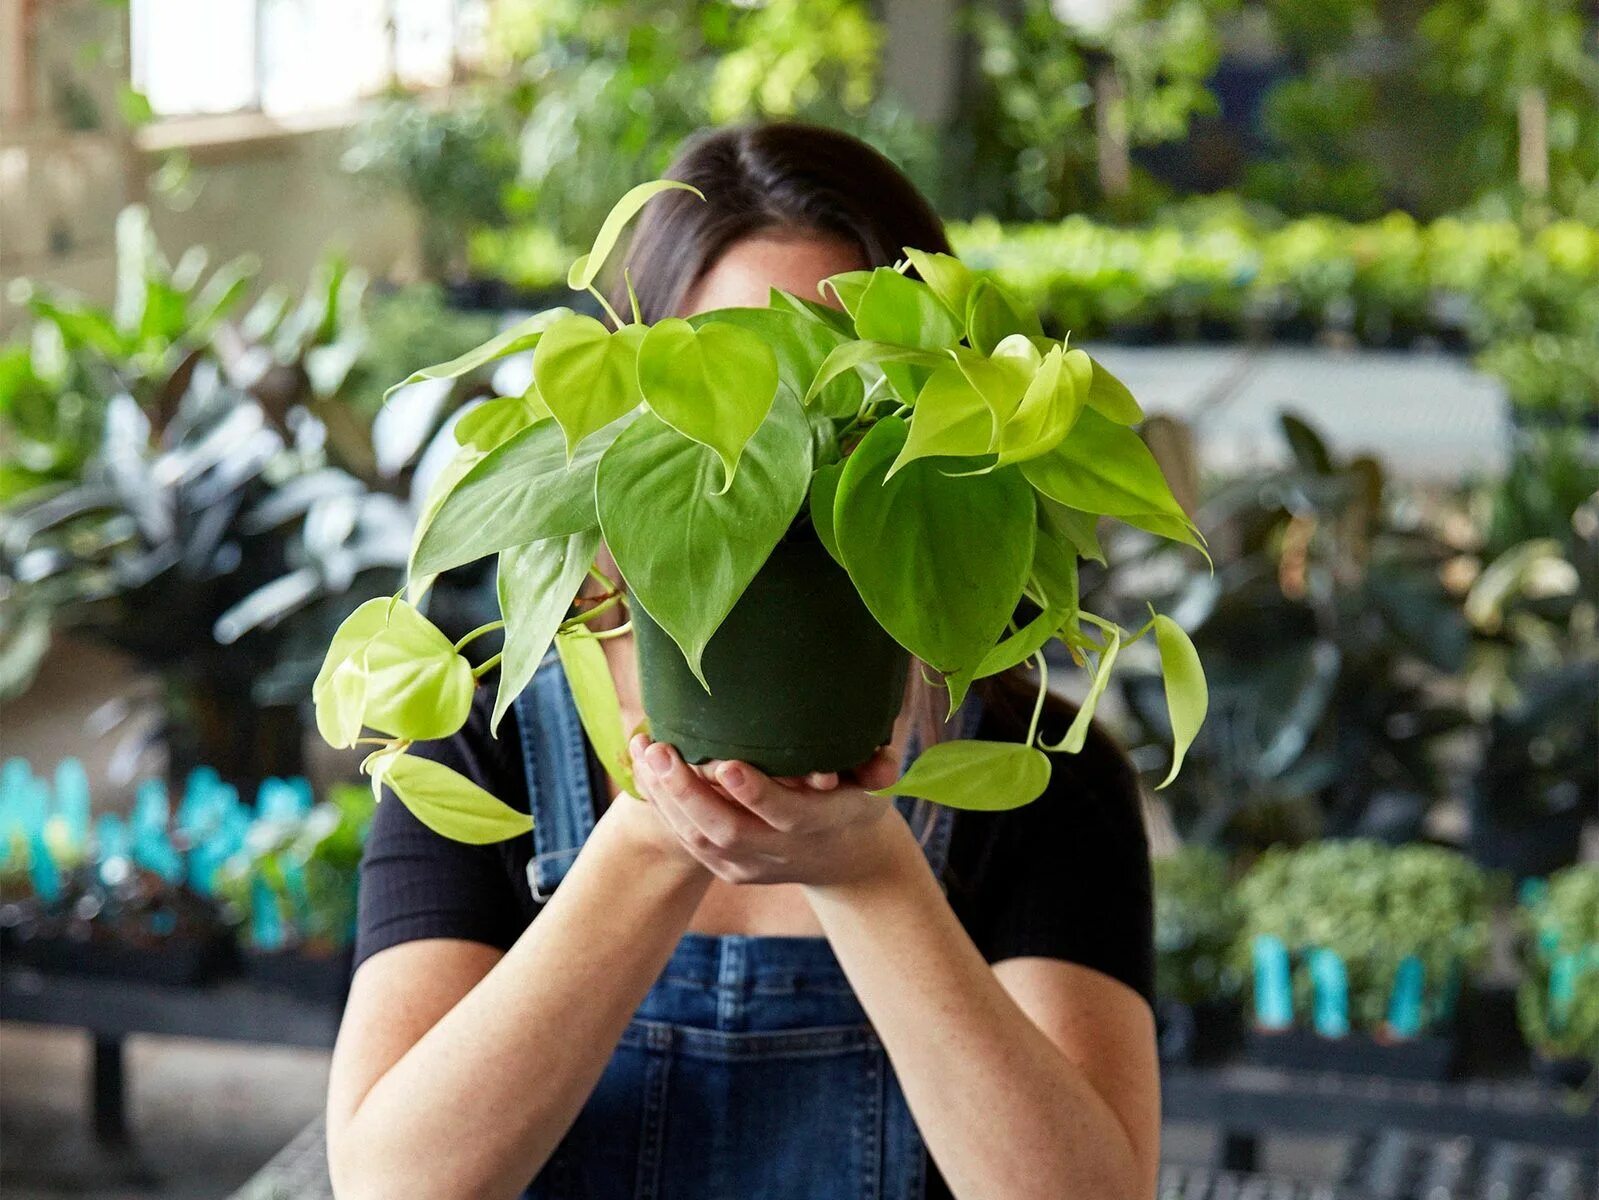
(1562, 923)
(1197, 919)
(1374, 906)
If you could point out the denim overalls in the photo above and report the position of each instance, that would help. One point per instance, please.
(750, 1071)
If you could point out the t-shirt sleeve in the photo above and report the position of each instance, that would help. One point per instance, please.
(418, 884)
(1068, 876)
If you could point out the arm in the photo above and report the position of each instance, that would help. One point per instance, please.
(458, 1070)
(1033, 1078)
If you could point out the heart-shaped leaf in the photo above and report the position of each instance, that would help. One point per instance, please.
(1049, 407)
(341, 701)
(950, 279)
(847, 287)
(594, 694)
(713, 384)
(801, 344)
(496, 421)
(824, 490)
(418, 687)
(851, 356)
(1104, 468)
(523, 491)
(1109, 397)
(686, 551)
(449, 803)
(587, 267)
(536, 583)
(1187, 697)
(904, 312)
(976, 776)
(993, 314)
(586, 375)
(524, 335)
(1002, 378)
(1074, 530)
(940, 561)
(951, 420)
(824, 314)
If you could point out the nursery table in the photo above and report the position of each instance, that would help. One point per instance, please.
(233, 1010)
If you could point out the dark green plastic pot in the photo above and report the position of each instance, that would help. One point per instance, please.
(802, 677)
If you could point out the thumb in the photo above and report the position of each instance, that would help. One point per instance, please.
(878, 771)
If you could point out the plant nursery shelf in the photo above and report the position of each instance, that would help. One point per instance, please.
(1246, 1100)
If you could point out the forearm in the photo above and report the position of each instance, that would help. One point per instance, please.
(477, 1105)
(1004, 1112)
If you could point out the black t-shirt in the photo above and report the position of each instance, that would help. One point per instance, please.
(1066, 877)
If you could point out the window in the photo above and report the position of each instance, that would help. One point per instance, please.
(288, 56)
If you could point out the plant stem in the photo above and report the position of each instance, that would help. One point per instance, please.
(604, 605)
(489, 665)
(1043, 691)
(477, 633)
(616, 321)
(621, 630)
(632, 296)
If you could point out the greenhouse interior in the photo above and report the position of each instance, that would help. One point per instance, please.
(1097, 500)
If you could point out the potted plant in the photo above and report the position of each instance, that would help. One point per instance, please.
(793, 495)
(1197, 981)
(291, 889)
(1358, 952)
(1558, 1001)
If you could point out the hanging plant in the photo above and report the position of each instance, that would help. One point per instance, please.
(930, 456)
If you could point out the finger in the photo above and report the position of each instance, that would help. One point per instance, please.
(878, 771)
(722, 825)
(784, 809)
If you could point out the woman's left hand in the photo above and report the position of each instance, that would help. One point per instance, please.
(746, 827)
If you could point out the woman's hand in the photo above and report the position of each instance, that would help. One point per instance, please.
(746, 827)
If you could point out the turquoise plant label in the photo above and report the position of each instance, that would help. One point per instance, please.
(1274, 993)
(1330, 980)
(1404, 1008)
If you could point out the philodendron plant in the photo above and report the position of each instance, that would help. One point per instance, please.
(950, 457)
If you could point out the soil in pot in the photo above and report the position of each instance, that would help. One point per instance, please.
(802, 677)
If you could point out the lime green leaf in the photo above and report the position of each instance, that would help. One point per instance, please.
(449, 803)
(904, 312)
(940, 561)
(951, 419)
(993, 314)
(1077, 734)
(1175, 529)
(976, 776)
(536, 584)
(1103, 468)
(523, 491)
(495, 422)
(950, 279)
(848, 287)
(1013, 649)
(854, 355)
(594, 692)
(801, 344)
(417, 686)
(1109, 396)
(687, 552)
(1187, 697)
(1071, 526)
(1048, 410)
(351, 637)
(588, 266)
(341, 702)
(1003, 377)
(713, 384)
(586, 375)
(824, 490)
(524, 335)
(824, 314)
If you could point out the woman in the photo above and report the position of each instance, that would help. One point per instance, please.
(752, 988)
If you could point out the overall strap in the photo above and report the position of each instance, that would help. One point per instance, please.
(936, 838)
(555, 757)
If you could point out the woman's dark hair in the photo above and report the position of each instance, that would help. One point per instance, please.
(783, 175)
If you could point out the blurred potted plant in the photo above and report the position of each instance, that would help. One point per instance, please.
(291, 890)
(858, 485)
(1197, 982)
(1558, 1001)
(1331, 635)
(1533, 677)
(1358, 952)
